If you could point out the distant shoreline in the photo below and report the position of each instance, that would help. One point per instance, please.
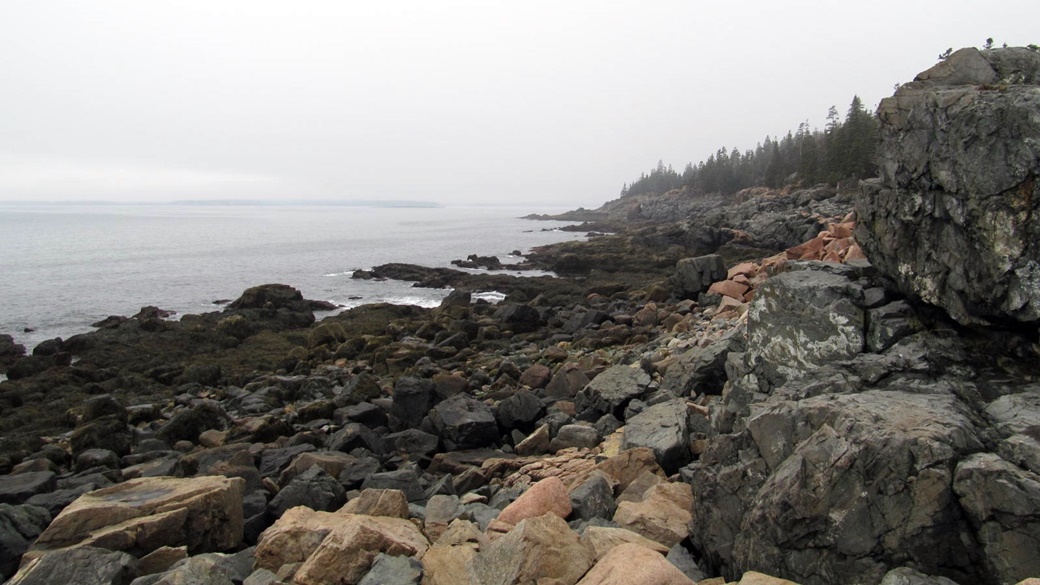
(241, 203)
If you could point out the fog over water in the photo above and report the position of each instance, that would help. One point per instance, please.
(458, 102)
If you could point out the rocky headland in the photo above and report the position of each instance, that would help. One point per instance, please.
(785, 386)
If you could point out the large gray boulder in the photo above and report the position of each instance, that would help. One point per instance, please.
(85, 565)
(694, 275)
(19, 525)
(1003, 504)
(664, 429)
(702, 370)
(613, 389)
(840, 469)
(953, 218)
(464, 422)
(806, 318)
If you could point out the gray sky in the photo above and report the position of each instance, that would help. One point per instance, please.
(520, 102)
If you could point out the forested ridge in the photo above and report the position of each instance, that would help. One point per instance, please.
(842, 151)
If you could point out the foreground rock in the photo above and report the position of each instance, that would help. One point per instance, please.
(142, 515)
(632, 563)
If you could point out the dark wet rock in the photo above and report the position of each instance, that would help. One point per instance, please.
(611, 391)
(413, 445)
(313, 488)
(56, 501)
(109, 432)
(110, 322)
(10, 351)
(889, 323)
(273, 296)
(413, 399)
(32, 365)
(361, 388)
(702, 370)
(518, 318)
(85, 565)
(104, 405)
(48, 347)
(568, 380)
(519, 411)
(19, 526)
(405, 479)
(355, 475)
(580, 436)
(663, 428)
(694, 275)
(393, 570)
(464, 423)
(16, 489)
(681, 559)
(366, 413)
(259, 429)
(908, 576)
(97, 458)
(594, 498)
(204, 569)
(476, 261)
(189, 423)
(585, 319)
(1002, 502)
(440, 511)
(356, 436)
(952, 218)
(274, 461)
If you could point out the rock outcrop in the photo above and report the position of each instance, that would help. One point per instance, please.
(953, 218)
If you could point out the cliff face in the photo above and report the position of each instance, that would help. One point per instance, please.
(952, 220)
(857, 432)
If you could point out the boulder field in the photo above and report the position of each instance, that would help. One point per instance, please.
(798, 392)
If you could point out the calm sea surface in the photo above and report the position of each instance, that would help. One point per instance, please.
(65, 267)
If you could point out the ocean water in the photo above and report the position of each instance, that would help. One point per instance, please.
(63, 267)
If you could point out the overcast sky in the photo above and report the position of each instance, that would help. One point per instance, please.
(517, 102)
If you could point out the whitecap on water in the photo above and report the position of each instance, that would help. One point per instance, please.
(347, 274)
(492, 296)
(424, 302)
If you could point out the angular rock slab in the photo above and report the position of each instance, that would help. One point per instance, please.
(141, 515)
(613, 389)
(603, 539)
(85, 565)
(845, 485)
(346, 554)
(800, 320)
(537, 549)
(663, 516)
(630, 563)
(664, 429)
(465, 422)
(1003, 502)
(695, 275)
(548, 496)
(449, 561)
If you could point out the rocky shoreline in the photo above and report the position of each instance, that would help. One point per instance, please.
(741, 396)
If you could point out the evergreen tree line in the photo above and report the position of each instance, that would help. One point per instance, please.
(843, 150)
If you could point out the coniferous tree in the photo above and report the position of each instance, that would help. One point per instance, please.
(843, 151)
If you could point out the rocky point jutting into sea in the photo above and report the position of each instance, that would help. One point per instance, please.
(803, 385)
